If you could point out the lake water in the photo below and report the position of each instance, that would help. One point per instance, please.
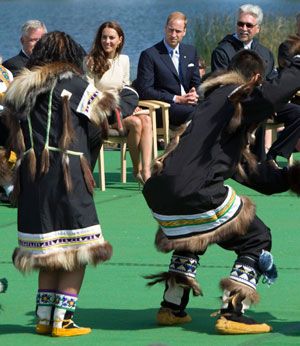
(142, 20)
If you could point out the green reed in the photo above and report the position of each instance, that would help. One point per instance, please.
(208, 31)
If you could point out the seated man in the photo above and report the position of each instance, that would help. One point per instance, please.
(169, 72)
(248, 25)
(31, 32)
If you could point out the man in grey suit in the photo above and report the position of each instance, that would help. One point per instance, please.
(169, 72)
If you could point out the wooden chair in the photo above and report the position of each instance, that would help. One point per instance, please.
(164, 131)
(114, 137)
(273, 126)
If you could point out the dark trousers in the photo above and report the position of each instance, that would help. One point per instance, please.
(289, 136)
(248, 246)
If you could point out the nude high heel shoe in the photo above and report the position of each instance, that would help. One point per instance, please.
(139, 178)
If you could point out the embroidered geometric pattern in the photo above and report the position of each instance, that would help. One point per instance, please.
(66, 302)
(45, 298)
(183, 265)
(45, 243)
(90, 95)
(187, 225)
(244, 274)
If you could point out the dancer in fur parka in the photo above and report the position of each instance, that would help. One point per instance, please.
(194, 207)
(48, 108)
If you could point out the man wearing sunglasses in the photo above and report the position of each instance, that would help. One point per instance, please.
(248, 24)
(249, 19)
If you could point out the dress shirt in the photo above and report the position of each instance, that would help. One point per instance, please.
(246, 45)
(174, 55)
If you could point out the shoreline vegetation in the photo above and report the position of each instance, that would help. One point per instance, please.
(209, 31)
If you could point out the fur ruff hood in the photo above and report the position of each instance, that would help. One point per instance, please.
(21, 99)
(229, 78)
(29, 84)
(243, 88)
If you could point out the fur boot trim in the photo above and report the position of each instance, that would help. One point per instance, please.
(175, 278)
(242, 291)
(197, 243)
(66, 260)
(294, 178)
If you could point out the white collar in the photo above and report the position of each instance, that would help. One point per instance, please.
(170, 49)
(246, 45)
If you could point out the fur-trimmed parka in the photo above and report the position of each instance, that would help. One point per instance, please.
(187, 195)
(47, 111)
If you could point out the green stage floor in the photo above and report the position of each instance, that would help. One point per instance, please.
(115, 301)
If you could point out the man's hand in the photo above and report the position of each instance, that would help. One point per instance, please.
(190, 98)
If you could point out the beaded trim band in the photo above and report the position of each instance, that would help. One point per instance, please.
(67, 302)
(179, 226)
(45, 298)
(183, 265)
(245, 275)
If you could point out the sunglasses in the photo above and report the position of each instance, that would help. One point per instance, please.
(248, 25)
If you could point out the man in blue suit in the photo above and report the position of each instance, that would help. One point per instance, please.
(169, 72)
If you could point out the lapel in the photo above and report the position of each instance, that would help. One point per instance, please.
(23, 55)
(183, 61)
(165, 57)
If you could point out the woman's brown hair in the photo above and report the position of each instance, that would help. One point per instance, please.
(97, 60)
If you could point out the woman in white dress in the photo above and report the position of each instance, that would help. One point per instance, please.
(108, 70)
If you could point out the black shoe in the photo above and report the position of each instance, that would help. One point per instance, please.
(4, 198)
(161, 144)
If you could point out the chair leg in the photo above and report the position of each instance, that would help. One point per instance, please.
(101, 169)
(274, 134)
(166, 125)
(154, 134)
(123, 162)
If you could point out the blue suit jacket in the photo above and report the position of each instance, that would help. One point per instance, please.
(157, 77)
